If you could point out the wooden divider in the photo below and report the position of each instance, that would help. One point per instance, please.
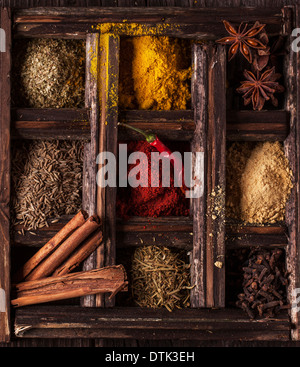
(102, 99)
(108, 138)
(208, 89)
(101, 95)
(89, 187)
(5, 66)
(291, 147)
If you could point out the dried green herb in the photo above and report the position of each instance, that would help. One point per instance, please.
(49, 73)
(160, 278)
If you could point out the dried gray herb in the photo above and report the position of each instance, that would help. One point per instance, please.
(49, 73)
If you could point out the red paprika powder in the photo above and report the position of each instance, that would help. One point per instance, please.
(150, 201)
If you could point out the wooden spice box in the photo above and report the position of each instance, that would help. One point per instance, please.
(208, 126)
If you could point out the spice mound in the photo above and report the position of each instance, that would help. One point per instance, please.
(160, 278)
(155, 73)
(46, 181)
(49, 73)
(259, 182)
(150, 201)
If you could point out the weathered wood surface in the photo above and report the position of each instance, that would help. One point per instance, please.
(50, 114)
(199, 3)
(125, 239)
(161, 224)
(144, 3)
(188, 23)
(64, 130)
(297, 173)
(89, 185)
(198, 145)
(215, 184)
(169, 125)
(210, 139)
(5, 85)
(174, 232)
(179, 240)
(254, 240)
(257, 126)
(67, 123)
(291, 147)
(108, 138)
(137, 323)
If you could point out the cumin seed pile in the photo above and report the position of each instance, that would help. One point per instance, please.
(49, 73)
(46, 181)
(160, 278)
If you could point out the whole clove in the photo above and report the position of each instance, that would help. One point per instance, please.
(264, 284)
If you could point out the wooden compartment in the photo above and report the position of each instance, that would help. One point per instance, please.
(207, 126)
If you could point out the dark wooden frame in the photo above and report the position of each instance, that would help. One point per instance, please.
(5, 66)
(208, 133)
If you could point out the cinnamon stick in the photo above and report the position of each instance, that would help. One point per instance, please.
(106, 280)
(88, 247)
(65, 249)
(77, 221)
(115, 272)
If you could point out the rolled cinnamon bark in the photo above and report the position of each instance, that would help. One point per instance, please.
(65, 294)
(77, 221)
(111, 279)
(48, 266)
(89, 246)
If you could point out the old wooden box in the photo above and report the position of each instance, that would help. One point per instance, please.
(208, 126)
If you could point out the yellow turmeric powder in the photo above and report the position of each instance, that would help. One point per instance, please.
(135, 29)
(155, 73)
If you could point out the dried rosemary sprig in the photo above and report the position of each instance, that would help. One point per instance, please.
(49, 73)
(160, 278)
(46, 181)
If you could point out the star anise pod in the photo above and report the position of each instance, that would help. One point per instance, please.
(261, 56)
(260, 88)
(242, 39)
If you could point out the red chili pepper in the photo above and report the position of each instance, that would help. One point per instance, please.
(155, 142)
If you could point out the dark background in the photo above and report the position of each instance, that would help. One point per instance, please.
(143, 3)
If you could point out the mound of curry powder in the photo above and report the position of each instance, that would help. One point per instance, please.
(155, 73)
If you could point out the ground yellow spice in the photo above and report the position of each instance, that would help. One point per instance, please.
(258, 181)
(155, 73)
(134, 29)
(94, 62)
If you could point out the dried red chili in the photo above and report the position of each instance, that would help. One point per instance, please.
(154, 141)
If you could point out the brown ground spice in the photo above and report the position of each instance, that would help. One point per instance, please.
(259, 182)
